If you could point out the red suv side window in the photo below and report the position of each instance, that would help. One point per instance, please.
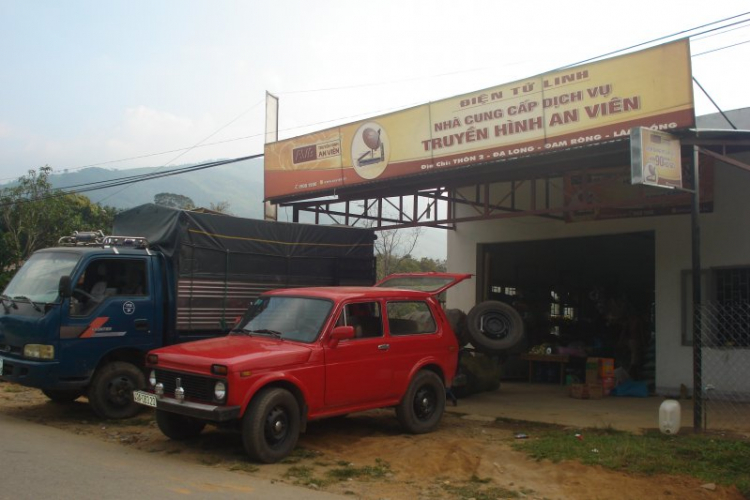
(365, 317)
(410, 318)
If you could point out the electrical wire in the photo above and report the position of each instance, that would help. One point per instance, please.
(378, 84)
(702, 37)
(183, 151)
(196, 145)
(62, 192)
(721, 48)
(665, 37)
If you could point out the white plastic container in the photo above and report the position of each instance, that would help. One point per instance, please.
(669, 416)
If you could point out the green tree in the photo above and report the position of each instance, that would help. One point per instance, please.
(173, 200)
(393, 250)
(28, 213)
(408, 264)
(35, 216)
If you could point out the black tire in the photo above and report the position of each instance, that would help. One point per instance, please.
(178, 427)
(422, 406)
(457, 320)
(62, 396)
(494, 326)
(111, 390)
(271, 425)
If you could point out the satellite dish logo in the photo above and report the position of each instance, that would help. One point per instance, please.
(371, 150)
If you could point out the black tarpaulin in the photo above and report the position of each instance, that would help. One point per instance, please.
(227, 247)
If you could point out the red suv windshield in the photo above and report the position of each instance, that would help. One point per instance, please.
(290, 318)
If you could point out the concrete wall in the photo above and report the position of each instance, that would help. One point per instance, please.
(725, 242)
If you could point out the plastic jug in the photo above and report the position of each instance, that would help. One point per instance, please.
(669, 416)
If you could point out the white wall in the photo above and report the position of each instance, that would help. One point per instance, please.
(725, 239)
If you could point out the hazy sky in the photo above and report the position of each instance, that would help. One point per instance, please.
(86, 82)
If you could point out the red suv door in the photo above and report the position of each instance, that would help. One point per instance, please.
(358, 370)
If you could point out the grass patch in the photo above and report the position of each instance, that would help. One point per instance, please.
(299, 454)
(304, 475)
(708, 458)
(244, 467)
(12, 388)
(478, 489)
(480, 480)
(299, 472)
(345, 471)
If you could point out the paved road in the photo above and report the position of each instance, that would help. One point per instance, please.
(44, 462)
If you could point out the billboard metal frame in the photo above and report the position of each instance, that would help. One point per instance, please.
(388, 206)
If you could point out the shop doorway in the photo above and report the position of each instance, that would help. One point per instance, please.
(585, 296)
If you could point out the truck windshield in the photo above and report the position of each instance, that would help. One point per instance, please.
(39, 277)
(290, 318)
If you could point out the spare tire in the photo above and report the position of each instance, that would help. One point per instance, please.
(494, 326)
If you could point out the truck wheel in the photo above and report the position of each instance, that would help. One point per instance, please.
(62, 396)
(271, 425)
(111, 390)
(494, 326)
(178, 427)
(422, 406)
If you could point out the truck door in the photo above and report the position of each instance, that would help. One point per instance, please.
(112, 306)
(357, 370)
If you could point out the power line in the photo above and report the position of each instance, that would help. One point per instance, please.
(701, 37)
(377, 84)
(145, 176)
(197, 144)
(721, 48)
(665, 37)
(182, 150)
(84, 188)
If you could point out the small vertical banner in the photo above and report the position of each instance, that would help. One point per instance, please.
(655, 158)
(272, 118)
(270, 210)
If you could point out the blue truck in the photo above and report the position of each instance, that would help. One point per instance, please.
(78, 319)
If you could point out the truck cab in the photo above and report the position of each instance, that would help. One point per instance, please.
(77, 319)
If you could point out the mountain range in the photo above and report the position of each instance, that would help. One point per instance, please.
(239, 184)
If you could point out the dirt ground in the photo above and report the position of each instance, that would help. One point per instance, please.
(366, 456)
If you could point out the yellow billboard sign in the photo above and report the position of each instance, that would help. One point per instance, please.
(585, 104)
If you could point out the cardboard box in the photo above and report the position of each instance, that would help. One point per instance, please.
(592, 370)
(587, 391)
(606, 367)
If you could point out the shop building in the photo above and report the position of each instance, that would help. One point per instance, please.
(549, 196)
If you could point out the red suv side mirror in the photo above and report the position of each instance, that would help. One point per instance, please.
(340, 333)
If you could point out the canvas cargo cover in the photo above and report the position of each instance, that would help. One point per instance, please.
(223, 246)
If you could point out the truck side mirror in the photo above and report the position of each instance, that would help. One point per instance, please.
(65, 287)
(340, 333)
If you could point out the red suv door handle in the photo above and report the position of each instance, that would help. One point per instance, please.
(384, 347)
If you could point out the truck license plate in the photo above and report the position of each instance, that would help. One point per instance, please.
(144, 398)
